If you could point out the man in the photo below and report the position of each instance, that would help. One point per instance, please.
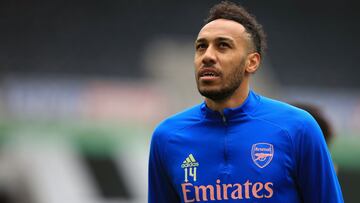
(238, 146)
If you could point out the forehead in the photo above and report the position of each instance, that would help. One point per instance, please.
(222, 28)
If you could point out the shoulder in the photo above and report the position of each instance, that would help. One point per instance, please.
(299, 126)
(286, 116)
(178, 121)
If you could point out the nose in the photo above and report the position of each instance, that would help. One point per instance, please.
(209, 57)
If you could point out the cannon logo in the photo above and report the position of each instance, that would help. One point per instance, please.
(262, 154)
(189, 166)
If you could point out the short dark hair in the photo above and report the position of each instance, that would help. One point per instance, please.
(231, 11)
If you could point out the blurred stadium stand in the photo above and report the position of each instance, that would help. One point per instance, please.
(82, 85)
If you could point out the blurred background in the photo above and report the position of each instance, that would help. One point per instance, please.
(83, 84)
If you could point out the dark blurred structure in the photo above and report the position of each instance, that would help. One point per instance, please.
(311, 43)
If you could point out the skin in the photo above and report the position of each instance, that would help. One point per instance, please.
(224, 60)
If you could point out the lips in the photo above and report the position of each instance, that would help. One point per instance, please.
(208, 73)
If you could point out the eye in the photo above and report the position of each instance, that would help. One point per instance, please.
(200, 46)
(223, 45)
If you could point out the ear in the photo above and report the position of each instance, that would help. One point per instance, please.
(252, 62)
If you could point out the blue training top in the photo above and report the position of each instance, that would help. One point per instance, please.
(262, 151)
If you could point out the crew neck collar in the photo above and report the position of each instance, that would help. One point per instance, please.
(241, 111)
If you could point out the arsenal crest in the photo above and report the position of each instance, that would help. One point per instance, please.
(262, 154)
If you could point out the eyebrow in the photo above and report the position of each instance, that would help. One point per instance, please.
(202, 40)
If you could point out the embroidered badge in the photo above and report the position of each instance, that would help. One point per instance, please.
(262, 154)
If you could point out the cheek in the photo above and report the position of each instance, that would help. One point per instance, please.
(197, 64)
(197, 60)
(237, 63)
(232, 70)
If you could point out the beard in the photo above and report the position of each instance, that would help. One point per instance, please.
(230, 84)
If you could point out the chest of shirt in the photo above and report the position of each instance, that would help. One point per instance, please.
(243, 161)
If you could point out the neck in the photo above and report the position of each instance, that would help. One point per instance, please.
(233, 101)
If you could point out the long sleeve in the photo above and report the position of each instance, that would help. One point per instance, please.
(316, 176)
(160, 189)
